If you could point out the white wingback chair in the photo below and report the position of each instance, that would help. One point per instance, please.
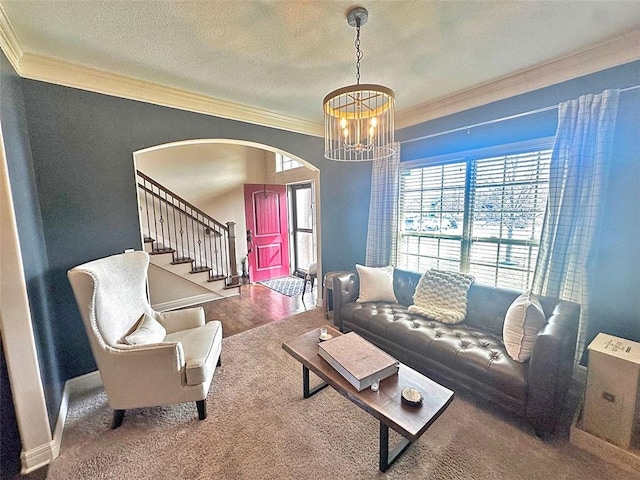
(174, 354)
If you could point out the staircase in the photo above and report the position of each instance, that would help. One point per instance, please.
(185, 241)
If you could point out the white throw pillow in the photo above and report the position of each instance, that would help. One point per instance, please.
(376, 284)
(149, 330)
(442, 296)
(522, 323)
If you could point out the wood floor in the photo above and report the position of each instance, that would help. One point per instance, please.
(256, 305)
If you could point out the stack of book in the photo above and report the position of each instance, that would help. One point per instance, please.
(357, 360)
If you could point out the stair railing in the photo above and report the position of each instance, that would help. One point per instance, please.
(173, 225)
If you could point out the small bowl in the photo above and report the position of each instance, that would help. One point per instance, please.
(411, 396)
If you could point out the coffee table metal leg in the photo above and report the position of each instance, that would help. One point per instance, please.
(306, 391)
(387, 459)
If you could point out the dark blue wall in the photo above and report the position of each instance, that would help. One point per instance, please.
(82, 145)
(30, 232)
(615, 302)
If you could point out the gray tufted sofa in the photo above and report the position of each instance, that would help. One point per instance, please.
(470, 355)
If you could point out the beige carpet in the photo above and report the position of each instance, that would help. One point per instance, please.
(260, 427)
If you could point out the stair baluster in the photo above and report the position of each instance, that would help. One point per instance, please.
(176, 226)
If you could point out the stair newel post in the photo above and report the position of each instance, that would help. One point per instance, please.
(231, 239)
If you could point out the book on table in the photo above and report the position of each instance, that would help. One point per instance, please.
(357, 360)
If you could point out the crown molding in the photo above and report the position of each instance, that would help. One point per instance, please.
(9, 42)
(47, 69)
(616, 52)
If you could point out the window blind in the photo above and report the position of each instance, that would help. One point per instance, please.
(478, 215)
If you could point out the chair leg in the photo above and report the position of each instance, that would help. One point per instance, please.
(118, 416)
(202, 409)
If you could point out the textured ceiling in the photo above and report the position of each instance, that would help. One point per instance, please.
(284, 55)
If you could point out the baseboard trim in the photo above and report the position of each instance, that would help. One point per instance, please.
(38, 457)
(81, 384)
(46, 453)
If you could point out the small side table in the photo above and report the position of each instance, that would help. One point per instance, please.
(327, 291)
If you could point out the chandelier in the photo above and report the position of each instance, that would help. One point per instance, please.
(358, 119)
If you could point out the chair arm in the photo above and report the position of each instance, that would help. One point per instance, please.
(142, 375)
(346, 286)
(176, 320)
(551, 367)
(164, 355)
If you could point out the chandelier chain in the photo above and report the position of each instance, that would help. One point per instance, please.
(358, 52)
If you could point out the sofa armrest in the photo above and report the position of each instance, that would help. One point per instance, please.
(551, 367)
(346, 286)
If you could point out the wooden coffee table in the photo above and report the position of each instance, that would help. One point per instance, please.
(386, 404)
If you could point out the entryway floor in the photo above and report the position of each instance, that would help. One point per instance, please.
(256, 305)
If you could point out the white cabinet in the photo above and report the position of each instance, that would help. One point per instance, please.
(612, 400)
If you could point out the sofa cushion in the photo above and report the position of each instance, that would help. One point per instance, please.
(376, 284)
(442, 296)
(487, 307)
(472, 352)
(522, 323)
(404, 285)
(147, 330)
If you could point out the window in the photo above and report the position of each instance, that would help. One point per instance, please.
(304, 249)
(285, 163)
(480, 215)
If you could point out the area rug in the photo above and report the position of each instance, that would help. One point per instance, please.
(260, 427)
(290, 286)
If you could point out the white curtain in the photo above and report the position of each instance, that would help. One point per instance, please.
(573, 219)
(383, 211)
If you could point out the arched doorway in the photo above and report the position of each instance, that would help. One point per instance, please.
(211, 174)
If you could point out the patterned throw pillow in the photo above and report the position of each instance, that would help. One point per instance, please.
(523, 321)
(442, 296)
(376, 284)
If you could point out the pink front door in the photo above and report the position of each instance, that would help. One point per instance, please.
(267, 231)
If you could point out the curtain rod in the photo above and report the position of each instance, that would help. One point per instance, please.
(497, 120)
